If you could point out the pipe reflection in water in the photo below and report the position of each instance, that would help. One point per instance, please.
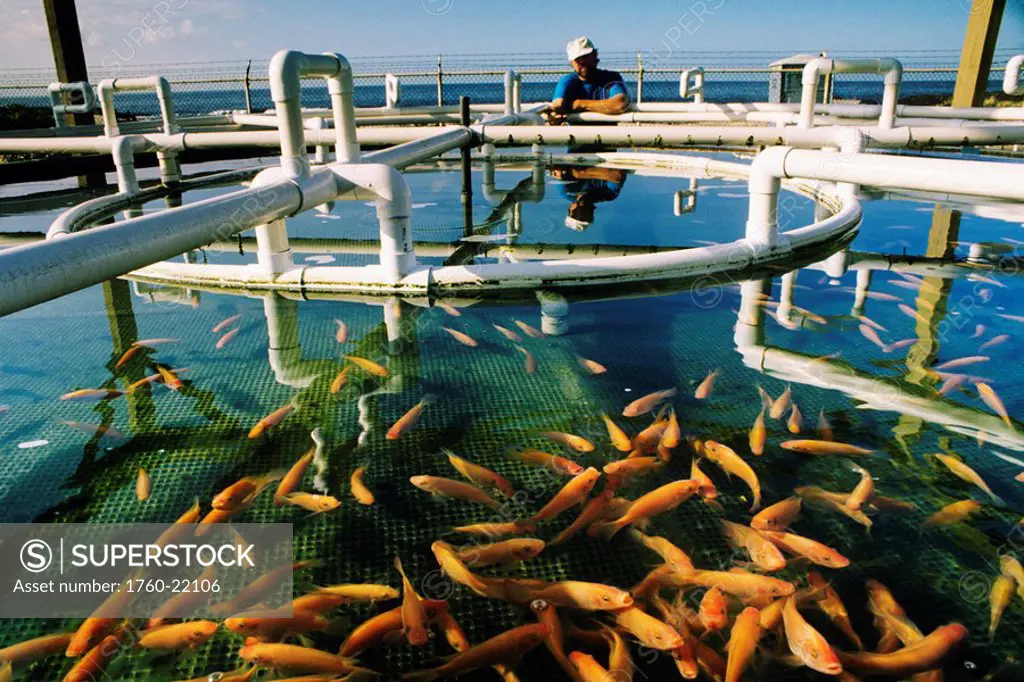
(877, 393)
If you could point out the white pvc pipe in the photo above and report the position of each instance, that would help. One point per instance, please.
(1011, 79)
(510, 78)
(84, 88)
(392, 92)
(287, 68)
(159, 84)
(890, 68)
(694, 89)
(394, 211)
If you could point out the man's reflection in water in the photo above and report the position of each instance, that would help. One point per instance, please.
(586, 187)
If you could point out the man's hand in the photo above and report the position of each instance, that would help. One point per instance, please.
(554, 117)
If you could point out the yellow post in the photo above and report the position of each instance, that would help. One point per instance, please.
(976, 53)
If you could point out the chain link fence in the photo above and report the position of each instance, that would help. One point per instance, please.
(208, 87)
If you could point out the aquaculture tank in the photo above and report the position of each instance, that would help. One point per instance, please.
(699, 390)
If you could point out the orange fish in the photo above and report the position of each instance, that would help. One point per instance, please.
(529, 362)
(379, 627)
(999, 597)
(781, 404)
(128, 355)
(742, 643)
(507, 552)
(632, 466)
(508, 333)
(953, 513)
(446, 487)
(169, 378)
(740, 583)
(94, 663)
(554, 463)
(795, 421)
(991, 398)
(777, 516)
(30, 650)
(647, 629)
(863, 491)
(226, 338)
(297, 658)
(706, 487)
(823, 447)
(339, 381)
(341, 335)
(414, 615)
(258, 589)
(647, 403)
(481, 476)
(368, 366)
(706, 386)
(573, 492)
(829, 603)
(824, 428)
(225, 323)
(410, 418)
(528, 330)
(178, 636)
(274, 624)
(590, 366)
(155, 342)
(961, 362)
(818, 553)
(143, 485)
(270, 421)
(730, 462)
(92, 394)
(318, 504)
(243, 491)
(620, 441)
(449, 309)
(507, 647)
(291, 480)
(577, 443)
(464, 339)
(588, 669)
(672, 435)
(763, 554)
(499, 528)
(758, 434)
(806, 643)
(926, 654)
(658, 501)
(714, 611)
(872, 336)
(592, 511)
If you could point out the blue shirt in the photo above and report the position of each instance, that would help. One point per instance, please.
(601, 85)
(593, 189)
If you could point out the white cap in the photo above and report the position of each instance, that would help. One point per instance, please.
(579, 47)
(576, 224)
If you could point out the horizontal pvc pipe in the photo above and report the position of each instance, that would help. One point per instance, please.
(979, 178)
(33, 274)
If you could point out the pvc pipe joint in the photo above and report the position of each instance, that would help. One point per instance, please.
(691, 83)
(891, 70)
(84, 88)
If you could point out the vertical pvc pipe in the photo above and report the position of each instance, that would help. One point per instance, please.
(509, 79)
(272, 249)
(341, 89)
(517, 94)
(860, 292)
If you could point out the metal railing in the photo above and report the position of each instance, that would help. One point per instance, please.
(201, 88)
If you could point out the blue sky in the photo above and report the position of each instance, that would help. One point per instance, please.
(199, 30)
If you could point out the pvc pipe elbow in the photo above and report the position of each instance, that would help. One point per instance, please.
(767, 168)
(341, 82)
(893, 70)
(1011, 79)
(813, 69)
(285, 70)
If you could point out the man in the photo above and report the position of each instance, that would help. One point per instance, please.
(586, 187)
(588, 88)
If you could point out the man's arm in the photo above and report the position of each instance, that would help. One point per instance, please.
(616, 104)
